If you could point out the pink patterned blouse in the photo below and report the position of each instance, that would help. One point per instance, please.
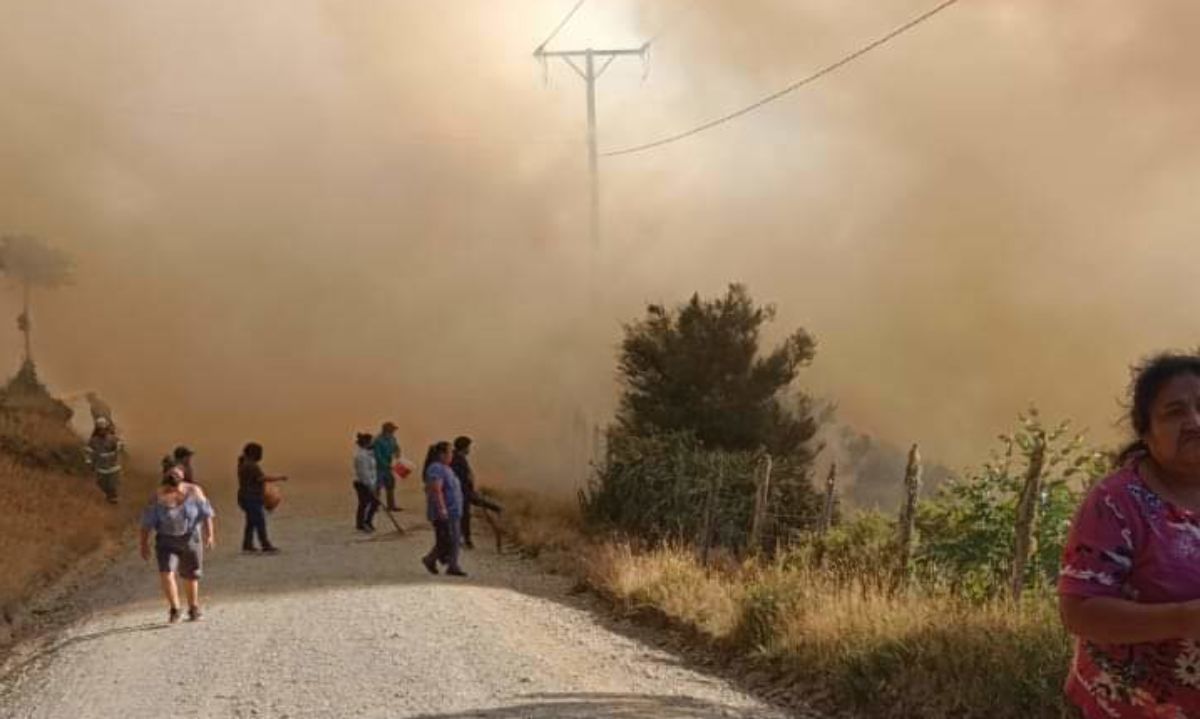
(1130, 543)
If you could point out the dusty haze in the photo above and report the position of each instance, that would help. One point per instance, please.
(295, 219)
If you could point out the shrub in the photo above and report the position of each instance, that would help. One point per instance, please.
(666, 487)
(967, 531)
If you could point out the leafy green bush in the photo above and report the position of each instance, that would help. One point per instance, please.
(967, 530)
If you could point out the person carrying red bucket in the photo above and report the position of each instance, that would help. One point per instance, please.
(387, 451)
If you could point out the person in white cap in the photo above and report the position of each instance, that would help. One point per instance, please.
(103, 454)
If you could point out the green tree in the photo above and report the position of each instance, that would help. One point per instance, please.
(698, 369)
(700, 406)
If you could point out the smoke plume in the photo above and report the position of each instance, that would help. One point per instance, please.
(294, 219)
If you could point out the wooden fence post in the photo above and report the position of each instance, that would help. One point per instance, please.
(1027, 513)
(762, 492)
(827, 511)
(710, 508)
(908, 517)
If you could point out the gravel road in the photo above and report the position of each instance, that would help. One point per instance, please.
(339, 625)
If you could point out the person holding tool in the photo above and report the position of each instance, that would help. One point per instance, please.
(387, 450)
(462, 469)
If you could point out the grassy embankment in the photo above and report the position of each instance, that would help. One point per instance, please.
(52, 512)
(843, 646)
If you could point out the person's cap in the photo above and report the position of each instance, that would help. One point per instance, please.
(181, 452)
(390, 427)
(461, 443)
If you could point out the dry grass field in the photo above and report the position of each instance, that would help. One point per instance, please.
(53, 513)
(850, 646)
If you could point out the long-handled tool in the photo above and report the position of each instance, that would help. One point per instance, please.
(392, 517)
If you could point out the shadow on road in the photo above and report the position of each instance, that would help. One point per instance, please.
(604, 706)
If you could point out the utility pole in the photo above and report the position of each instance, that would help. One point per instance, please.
(591, 72)
(594, 63)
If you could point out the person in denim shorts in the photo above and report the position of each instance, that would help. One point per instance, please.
(181, 519)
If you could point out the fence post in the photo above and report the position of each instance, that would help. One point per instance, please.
(762, 492)
(827, 511)
(908, 517)
(714, 491)
(1027, 513)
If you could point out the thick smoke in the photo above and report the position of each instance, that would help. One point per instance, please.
(293, 219)
(989, 211)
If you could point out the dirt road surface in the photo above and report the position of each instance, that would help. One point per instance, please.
(339, 625)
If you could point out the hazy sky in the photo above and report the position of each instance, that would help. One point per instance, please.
(293, 219)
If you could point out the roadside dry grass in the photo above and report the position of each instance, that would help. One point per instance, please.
(53, 513)
(845, 646)
(550, 529)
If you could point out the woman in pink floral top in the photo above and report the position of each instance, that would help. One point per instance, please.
(1130, 583)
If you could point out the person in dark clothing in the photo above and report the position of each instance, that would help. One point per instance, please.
(252, 482)
(471, 498)
(103, 452)
(462, 469)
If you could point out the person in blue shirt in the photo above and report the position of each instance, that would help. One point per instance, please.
(387, 451)
(181, 519)
(444, 507)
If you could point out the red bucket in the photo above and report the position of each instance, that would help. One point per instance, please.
(403, 468)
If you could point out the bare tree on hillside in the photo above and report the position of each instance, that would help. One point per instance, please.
(32, 263)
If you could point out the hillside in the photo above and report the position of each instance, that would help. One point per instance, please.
(54, 514)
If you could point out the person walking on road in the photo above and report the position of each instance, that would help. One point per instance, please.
(181, 519)
(387, 451)
(444, 504)
(251, 497)
(365, 484)
(103, 453)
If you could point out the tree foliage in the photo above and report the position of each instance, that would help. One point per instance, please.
(33, 262)
(698, 369)
(967, 530)
(701, 409)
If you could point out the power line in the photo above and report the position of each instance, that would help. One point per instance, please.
(789, 89)
(561, 25)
